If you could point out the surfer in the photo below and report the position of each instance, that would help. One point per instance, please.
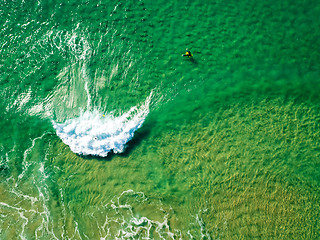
(187, 54)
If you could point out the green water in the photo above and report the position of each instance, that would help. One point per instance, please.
(229, 150)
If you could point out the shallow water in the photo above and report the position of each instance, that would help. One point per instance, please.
(109, 133)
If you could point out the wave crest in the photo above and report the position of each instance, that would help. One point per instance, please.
(93, 133)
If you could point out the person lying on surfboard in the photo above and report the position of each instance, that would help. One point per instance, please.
(188, 54)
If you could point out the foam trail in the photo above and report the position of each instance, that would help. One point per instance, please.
(92, 133)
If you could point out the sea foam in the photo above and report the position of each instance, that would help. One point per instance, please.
(93, 133)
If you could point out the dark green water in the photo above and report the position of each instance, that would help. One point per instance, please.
(226, 144)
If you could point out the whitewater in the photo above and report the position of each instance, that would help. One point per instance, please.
(97, 134)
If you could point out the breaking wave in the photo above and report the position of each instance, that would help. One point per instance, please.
(93, 133)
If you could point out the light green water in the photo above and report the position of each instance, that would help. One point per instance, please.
(229, 149)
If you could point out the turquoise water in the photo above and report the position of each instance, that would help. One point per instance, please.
(108, 132)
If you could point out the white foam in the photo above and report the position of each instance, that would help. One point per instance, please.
(122, 222)
(93, 133)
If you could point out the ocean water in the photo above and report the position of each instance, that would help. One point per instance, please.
(108, 132)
